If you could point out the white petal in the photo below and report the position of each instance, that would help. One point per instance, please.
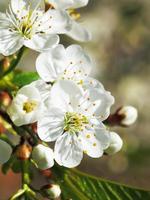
(50, 126)
(91, 83)
(42, 42)
(18, 5)
(4, 22)
(91, 146)
(5, 152)
(43, 156)
(78, 32)
(65, 95)
(10, 42)
(30, 91)
(51, 64)
(61, 4)
(53, 22)
(79, 3)
(68, 151)
(81, 62)
(99, 103)
(102, 135)
(43, 88)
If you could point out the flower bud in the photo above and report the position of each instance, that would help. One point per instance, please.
(128, 114)
(24, 151)
(51, 191)
(5, 63)
(2, 128)
(116, 144)
(5, 99)
(43, 157)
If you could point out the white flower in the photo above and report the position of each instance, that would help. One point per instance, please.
(5, 152)
(74, 119)
(76, 31)
(128, 114)
(71, 63)
(25, 23)
(43, 156)
(26, 107)
(116, 144)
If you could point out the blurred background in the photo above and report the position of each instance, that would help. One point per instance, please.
(120, 49)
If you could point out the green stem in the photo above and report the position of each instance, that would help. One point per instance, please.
(30, 132)
(20, 130)
(14, 62)
(25, 174)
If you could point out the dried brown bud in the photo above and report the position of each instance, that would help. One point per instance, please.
(23, 151)
(34, 127)
(47, 173)
(2, 128)
(5, 63)
(5, 99)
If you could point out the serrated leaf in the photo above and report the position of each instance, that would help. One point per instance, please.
(25, 78)
(79, 186)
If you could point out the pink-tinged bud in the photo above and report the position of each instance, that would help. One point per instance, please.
(128, 115)
(51, 191)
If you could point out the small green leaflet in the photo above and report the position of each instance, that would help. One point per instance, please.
(25, 78)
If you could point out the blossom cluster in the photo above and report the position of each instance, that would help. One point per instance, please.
(68, 105)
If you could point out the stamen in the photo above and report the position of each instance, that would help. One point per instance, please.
(74, 122)
(29, 106)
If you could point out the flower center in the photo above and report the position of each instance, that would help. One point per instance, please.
(74, 122)
(29, 106)
(26, 30)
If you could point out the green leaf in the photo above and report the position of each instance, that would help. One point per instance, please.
(25, 78)
(79, 186)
